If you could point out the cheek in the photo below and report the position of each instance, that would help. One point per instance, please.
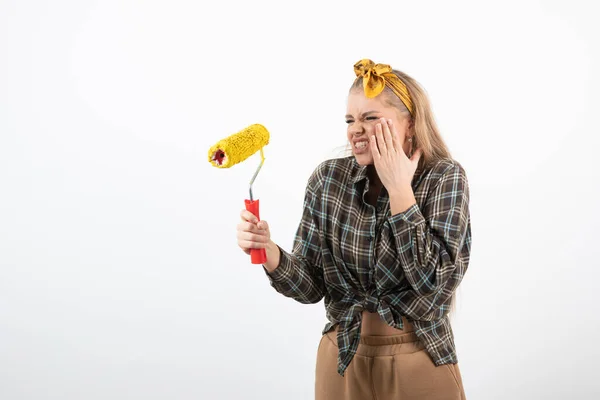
(402, 127)
(370, 128)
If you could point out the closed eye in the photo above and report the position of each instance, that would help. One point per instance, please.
(369, 118)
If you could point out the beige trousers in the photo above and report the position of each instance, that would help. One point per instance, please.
(385, 368)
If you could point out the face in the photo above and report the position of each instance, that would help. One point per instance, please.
(363, 115)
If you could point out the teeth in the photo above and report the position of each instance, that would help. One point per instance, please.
(360, 145)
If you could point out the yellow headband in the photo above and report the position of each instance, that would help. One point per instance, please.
(376, 76)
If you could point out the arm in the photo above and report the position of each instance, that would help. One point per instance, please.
(299, 275)
(433, 244)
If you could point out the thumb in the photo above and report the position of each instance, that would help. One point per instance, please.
(262, 224)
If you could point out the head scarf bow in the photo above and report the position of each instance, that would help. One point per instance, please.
(376, 76)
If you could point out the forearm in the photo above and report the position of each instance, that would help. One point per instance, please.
(434, 251)
(299, 274)
(294, 276)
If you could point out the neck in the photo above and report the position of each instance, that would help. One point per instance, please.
(375, 182)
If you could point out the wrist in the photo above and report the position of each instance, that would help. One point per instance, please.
(273, 256)
(401, 200)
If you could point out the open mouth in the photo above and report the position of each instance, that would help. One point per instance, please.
(361, 146)
(219, 157)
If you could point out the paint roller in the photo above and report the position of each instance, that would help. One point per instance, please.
(233, 150)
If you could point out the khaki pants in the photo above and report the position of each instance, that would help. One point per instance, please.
(385, 368)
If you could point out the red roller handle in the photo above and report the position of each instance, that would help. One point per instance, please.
(257, 256)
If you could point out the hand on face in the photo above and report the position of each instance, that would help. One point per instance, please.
(394, 168)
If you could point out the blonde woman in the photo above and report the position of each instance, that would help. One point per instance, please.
(384, 239)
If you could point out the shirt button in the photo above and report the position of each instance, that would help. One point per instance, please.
(370, 239)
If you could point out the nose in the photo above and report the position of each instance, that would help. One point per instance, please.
(357, 129)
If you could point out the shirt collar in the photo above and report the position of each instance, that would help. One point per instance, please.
(359, 172)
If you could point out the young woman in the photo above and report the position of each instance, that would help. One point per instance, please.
(384, 238)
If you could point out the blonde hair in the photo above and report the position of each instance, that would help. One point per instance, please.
(426, 134)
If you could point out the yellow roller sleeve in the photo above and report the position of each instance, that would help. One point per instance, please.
(238, 147)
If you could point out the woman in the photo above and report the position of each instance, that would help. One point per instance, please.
(385, 238)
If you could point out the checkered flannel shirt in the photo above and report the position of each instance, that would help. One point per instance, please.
(359, 257)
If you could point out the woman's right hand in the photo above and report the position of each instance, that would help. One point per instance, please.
(255, 234)
(252, 233)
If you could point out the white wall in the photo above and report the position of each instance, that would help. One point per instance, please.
(119, 272)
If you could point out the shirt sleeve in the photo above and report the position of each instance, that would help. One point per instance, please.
(433, 243)
(299, 274)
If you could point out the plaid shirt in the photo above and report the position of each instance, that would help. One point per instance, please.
(359, 257)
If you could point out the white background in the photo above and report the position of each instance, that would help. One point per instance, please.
(119, 272)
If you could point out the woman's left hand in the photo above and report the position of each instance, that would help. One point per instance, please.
(393, 167)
